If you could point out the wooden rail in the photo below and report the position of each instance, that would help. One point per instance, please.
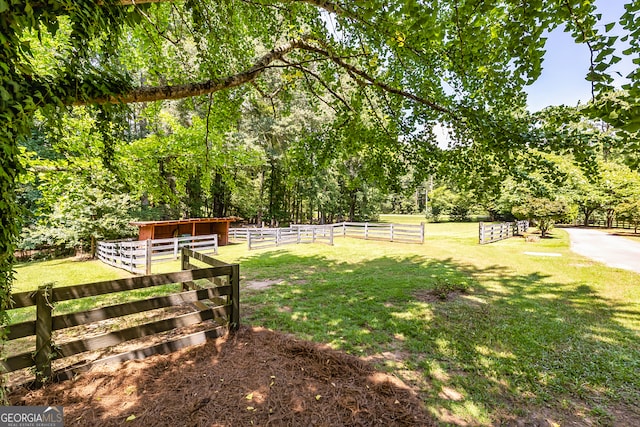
(220, 301)
(489, 233)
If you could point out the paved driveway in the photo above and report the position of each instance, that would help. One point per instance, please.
(614, 251)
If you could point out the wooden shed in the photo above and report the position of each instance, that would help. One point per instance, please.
(185, 227)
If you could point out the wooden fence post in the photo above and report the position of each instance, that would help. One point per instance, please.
(147, 257)
(331, 236)
(175, 247)
(44, 325)
(422, 232)
(344, 229)
(249, 239)
(391, 231)
(366, 230)
(184, 265)
(234, 321)
(481, 233)
(121, 250)
(313, 234)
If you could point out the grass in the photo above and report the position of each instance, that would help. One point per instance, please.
(515, 335)
(71, 271)
(62, 272)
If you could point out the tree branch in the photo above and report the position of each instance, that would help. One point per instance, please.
(323, 83)
(156, 93)
(356, 71)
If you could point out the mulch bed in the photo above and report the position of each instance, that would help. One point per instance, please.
(254, 377)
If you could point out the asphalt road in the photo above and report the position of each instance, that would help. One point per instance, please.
(614, 251)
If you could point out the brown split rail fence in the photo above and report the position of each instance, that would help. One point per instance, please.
(218, 300)
(489, 233)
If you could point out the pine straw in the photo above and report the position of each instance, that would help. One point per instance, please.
(255, 377)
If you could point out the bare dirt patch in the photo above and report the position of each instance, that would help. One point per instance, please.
(255, 377)
(436, 296)
(262, 284)
(267, 283)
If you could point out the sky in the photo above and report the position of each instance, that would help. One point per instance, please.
(566, 64)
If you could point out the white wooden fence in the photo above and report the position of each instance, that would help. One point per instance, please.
(489, 233)
(137, 256)
(404, 233)
(258, 238)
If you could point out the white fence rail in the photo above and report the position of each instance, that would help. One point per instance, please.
(258, 238)
(405, 233)
(489, 233)
(137, 256)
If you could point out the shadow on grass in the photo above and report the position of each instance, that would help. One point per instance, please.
(513, 347)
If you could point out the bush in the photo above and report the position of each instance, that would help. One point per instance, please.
(443, 288)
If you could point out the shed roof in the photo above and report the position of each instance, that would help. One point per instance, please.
(184, 221)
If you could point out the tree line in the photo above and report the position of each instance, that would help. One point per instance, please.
(87, 179)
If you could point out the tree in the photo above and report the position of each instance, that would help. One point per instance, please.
(620, 185)
(544, 212)
(630, 211)
(79, 198)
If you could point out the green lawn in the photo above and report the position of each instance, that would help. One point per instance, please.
(70, 271)
(62, 272)
(532, 336)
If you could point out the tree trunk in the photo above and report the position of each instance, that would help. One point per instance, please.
(259, 213)
(352, 205)
(92, 251)
(587, 214)
(611, 213)
(272, 190)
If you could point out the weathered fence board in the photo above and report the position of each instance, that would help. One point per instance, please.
(25, 299)
(20, 330)
(117, 337)
(141, 353)
(45, 323)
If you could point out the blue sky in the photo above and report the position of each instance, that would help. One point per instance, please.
(566, 64)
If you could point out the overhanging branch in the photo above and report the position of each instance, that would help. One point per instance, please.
(156, 93)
